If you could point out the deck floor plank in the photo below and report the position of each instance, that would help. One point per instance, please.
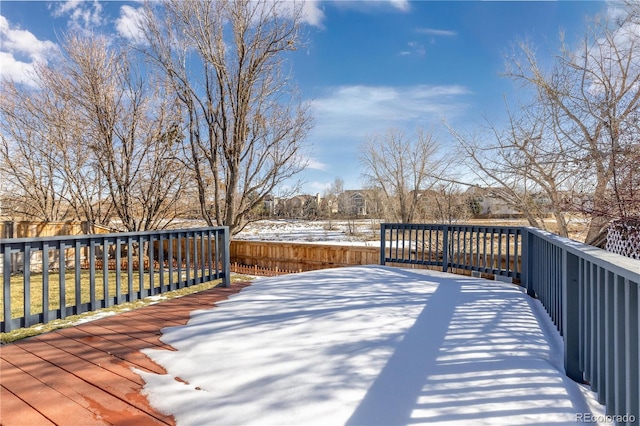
(16, 411)
(111, 349)
(99, 358)
(83, 374)
(49, 402)
(102, 404)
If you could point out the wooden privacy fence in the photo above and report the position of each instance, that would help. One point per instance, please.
(29, 229)
(300, 256)
(77, 274)
(590, 294)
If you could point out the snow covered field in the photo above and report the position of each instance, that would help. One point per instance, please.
(368, 345)
(359, 232)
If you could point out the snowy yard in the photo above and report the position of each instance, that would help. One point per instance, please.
(368, 345)
(358, 232)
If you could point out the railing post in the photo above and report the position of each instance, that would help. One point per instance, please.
(632, 349)
(226, 267)
(571, 315)
(527, 262)
(383, 243)
(445, 248)
(6, 287)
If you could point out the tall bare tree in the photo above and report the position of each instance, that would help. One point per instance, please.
(132, 130)
(572, 146)
(245, 124)
(593, 94)
(526, 164)
(95, 128)
(402, 166)
(34, 152)
(446, 203)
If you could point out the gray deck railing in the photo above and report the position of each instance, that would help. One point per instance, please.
(492, 250)
(590, 294)
(53, 277)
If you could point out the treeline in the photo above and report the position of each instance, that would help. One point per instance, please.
(197, 113)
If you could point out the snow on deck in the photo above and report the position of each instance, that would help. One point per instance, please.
(368, 345)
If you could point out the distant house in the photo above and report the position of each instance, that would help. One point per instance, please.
(329, 204)
(300, 206)
(270, 202)
(489, 202)
(354, 203)
(359, 202)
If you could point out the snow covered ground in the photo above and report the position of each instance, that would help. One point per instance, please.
(357, 232)
(368, 345)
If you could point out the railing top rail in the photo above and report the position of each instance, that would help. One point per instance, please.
(616, 263)
(442, 226)
(62, 238)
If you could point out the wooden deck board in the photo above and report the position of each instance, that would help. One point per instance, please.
(49, 402)
(16, 411)
(82, 375)
(103, 405)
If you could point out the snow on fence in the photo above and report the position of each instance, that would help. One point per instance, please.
(590, 294)
(99, 271)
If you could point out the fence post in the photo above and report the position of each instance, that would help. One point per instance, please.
(571, 315)
(226, 259)
(383, 244)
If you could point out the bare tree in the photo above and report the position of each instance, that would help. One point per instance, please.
(526, 164)
(32, 152)
(446, 203)
(593, 94)
(127, 126)
(402, 166)
(245, 126)
(331, 198)
(571, 146)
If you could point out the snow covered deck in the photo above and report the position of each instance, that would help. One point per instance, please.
(368, 345)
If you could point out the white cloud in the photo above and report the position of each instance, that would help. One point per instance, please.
(365, 6)
(312, 14)
(20, 51)
(415, 48)
(359, 110)
(67, 6)
(402, 5)
(315, 164)
(128, 26)
(83, 15)
(16, 40)
(436, 32)
(15, 70)
(345, 116)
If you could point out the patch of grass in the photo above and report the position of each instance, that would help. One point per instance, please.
(72, 320)
(37, 294)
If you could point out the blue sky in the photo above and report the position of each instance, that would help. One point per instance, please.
(366, 67)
